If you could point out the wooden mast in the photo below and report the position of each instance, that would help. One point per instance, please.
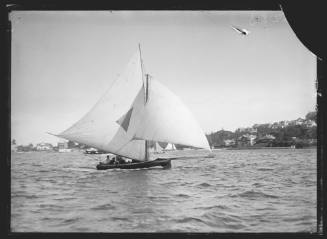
(146, 96)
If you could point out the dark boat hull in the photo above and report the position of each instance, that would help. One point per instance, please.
(165, 163)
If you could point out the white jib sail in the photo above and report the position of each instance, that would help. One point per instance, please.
(155, 147)
(170, 147)
(109, 124)
(166, 119)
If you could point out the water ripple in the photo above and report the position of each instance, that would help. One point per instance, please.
(254, 195)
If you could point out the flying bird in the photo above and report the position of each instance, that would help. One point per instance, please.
(241, 31)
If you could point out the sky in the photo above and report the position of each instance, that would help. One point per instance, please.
(63, 62)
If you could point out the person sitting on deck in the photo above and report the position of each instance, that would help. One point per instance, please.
(120, 159)
(109, 161)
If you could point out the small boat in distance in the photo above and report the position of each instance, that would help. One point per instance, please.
(93, 151)
(170, 147)
(136, 111)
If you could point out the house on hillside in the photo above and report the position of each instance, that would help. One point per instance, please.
(241, 129)
(269, 137)
(229, 142)
(275, 125)
(63, 147)
(253, 130)
(44, 147)
(283, 123)
(245, 140)
(299, 121)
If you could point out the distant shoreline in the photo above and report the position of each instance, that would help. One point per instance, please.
(216, 149)
(247, 148)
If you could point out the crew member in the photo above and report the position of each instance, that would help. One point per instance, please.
(108, 160)
(120, 159)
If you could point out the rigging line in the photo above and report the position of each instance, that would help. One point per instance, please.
(142, 65)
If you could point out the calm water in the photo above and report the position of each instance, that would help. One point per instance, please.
(264, 190)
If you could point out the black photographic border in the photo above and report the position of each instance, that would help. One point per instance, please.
(291, 11)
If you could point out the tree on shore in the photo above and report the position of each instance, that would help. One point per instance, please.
(311, 116)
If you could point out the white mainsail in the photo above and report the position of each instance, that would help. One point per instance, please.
(166, 119)
(134, 111)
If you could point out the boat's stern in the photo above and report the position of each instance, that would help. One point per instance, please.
(166, 164)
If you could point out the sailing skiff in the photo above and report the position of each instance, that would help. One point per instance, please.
(163, 162)
(136, 111)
